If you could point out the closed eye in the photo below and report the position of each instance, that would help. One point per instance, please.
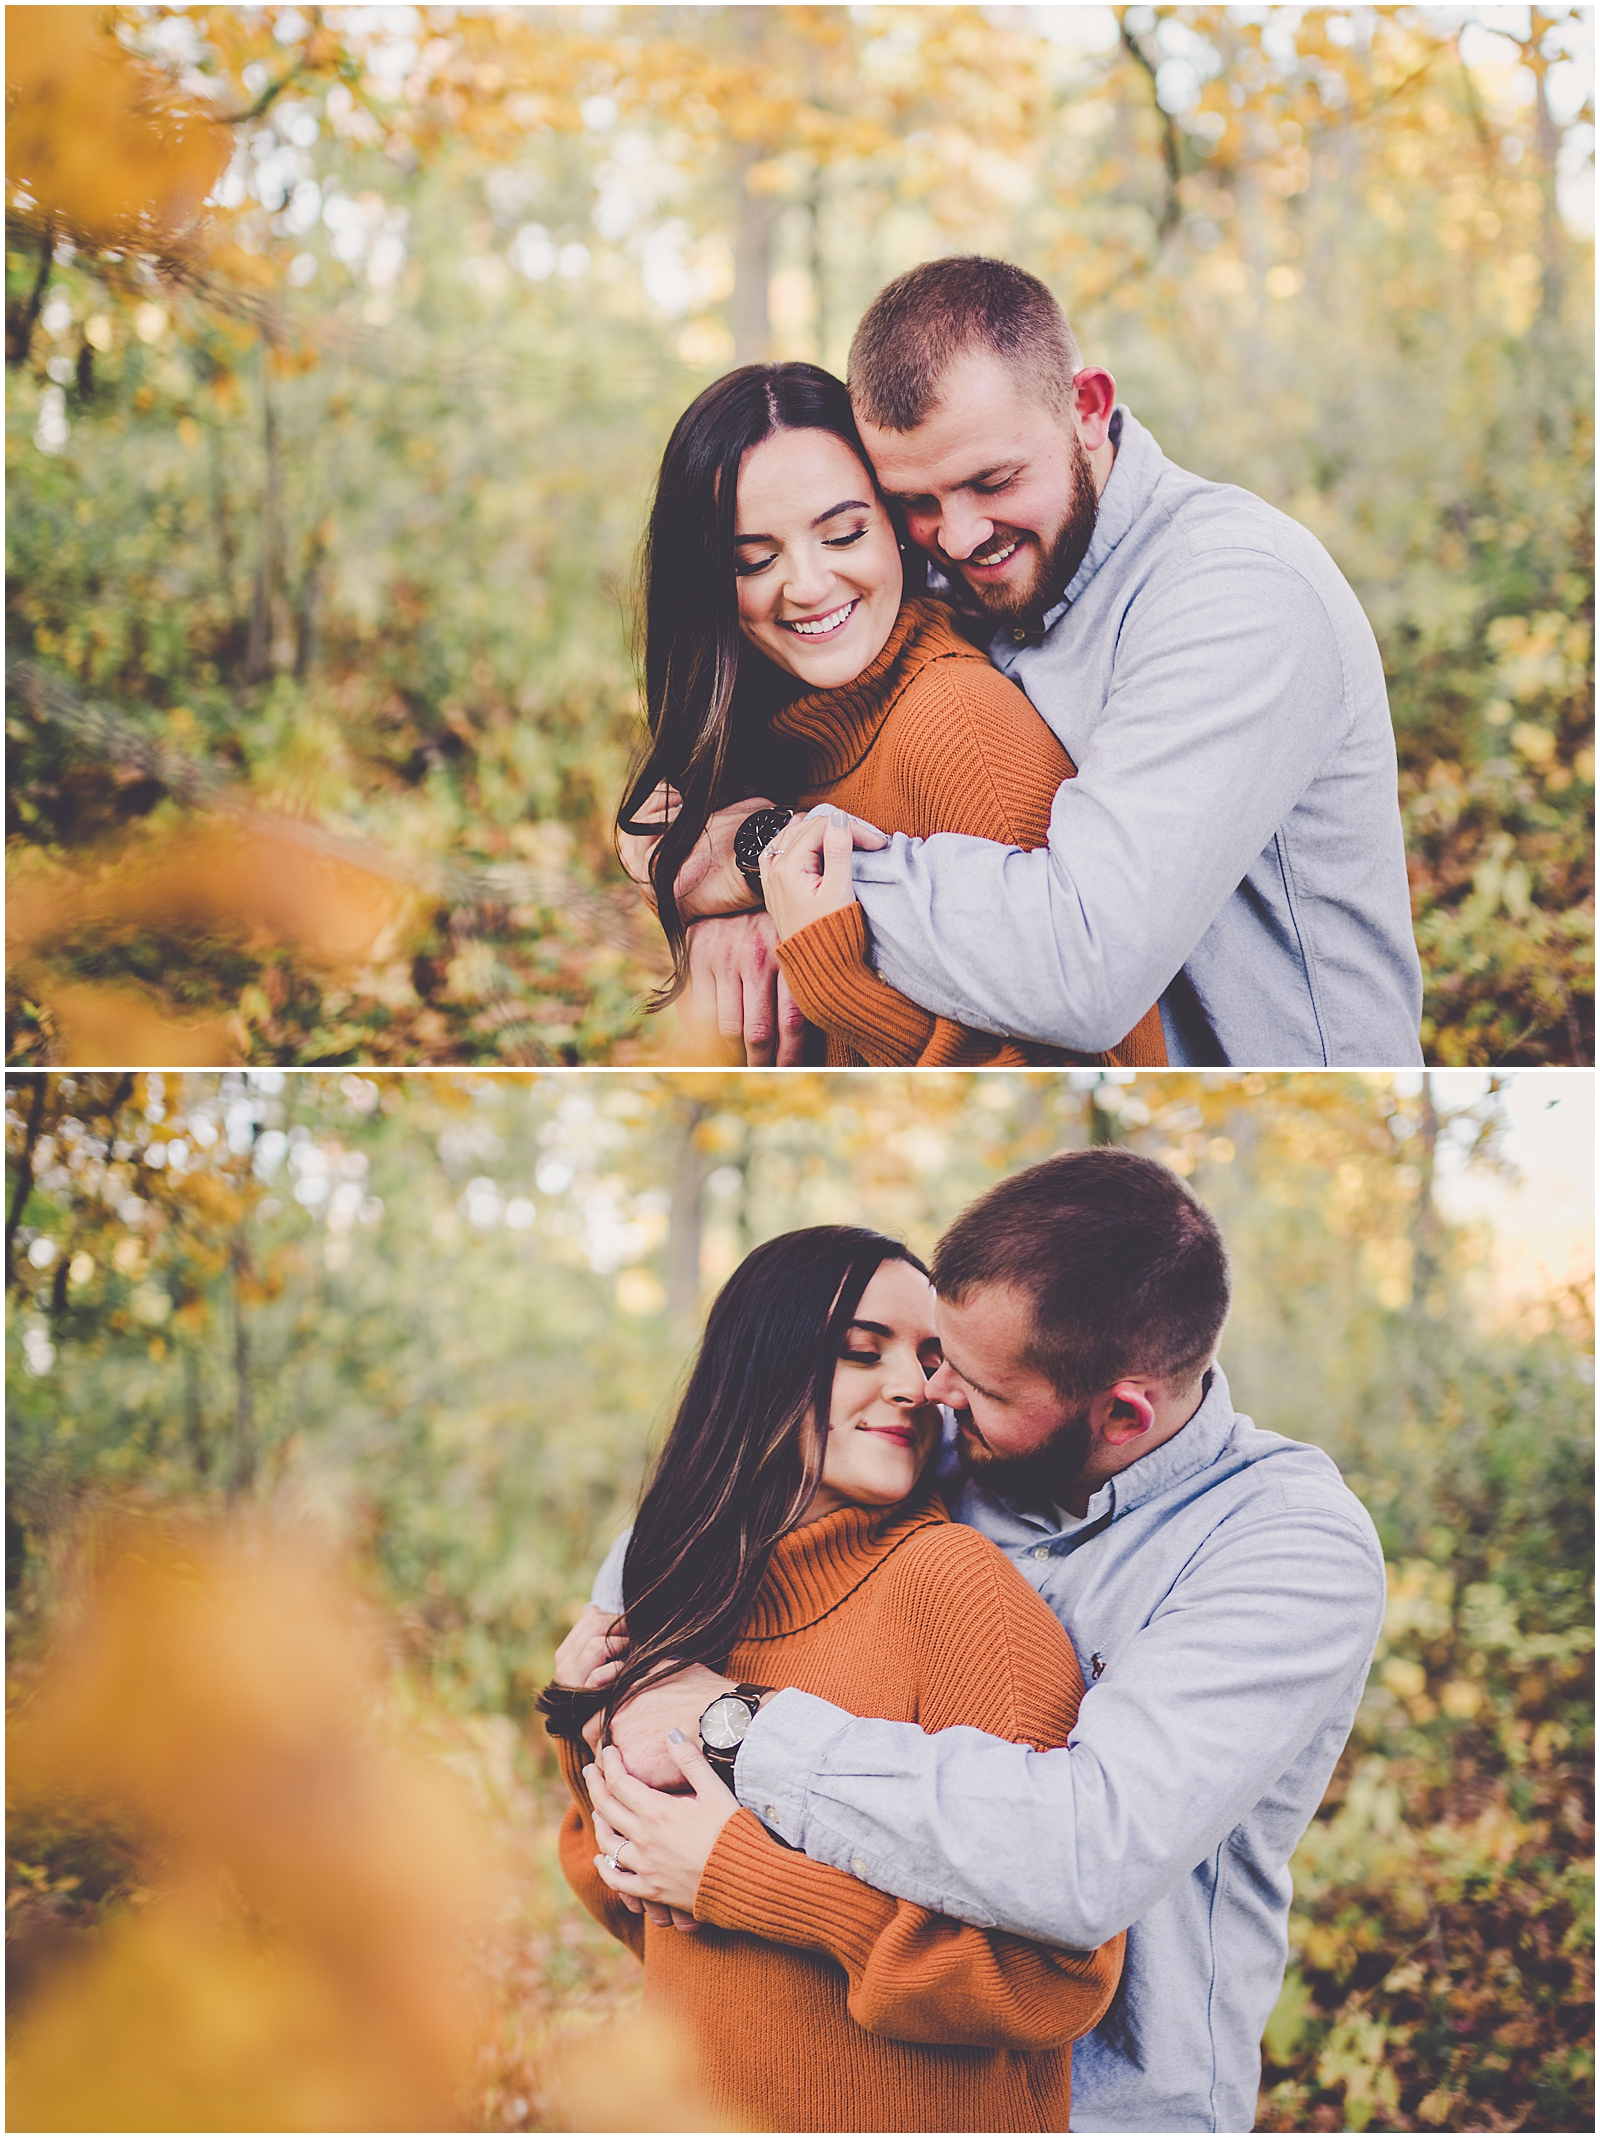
(743, 567)
(844, 541)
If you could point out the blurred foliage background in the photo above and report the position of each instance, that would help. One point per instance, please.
(343, 343)
(429, 1325)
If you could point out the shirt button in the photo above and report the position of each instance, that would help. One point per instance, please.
(1041, 1551)
(1019, 635)
(858, 1865)
(772, 1814)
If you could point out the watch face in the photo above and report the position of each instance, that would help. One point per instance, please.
(754, 833)
(724, 1723)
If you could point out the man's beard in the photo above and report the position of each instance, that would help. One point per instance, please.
(1058, 563)
(1046, 1476)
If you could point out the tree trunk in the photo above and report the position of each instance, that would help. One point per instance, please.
(1426, 1227)
(222, 524)
(819, 278)
(752, 266)
(244, 1414)
(24, 1181)
(1548, 136)
(689, 1169)
(19, 336)
(305, 615)
(194, 1424)
(1103, 1125)
(258, 661)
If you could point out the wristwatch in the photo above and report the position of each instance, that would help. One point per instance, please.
(724, 1723)
(758, 830)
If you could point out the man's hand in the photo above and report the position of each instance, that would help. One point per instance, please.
(593, 1652)
(737, 987)
(710, 880)
(665, 1841)
(805, 872)
(639, 1727)
(635, 849)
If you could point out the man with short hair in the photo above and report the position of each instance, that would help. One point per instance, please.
(1223, 1590)
(1231, 844)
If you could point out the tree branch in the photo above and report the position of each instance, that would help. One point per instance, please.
(1168, 218)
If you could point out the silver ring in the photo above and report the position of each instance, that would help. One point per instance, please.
(612, 1865)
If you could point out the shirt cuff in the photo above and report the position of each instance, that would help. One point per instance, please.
(780, 1753)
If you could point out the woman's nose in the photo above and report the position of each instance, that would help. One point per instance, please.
(905, 1382)
(809, 580)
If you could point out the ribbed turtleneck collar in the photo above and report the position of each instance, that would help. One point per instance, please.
(814, 1568)
(838, 727)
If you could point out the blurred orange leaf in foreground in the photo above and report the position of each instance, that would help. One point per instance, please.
(98, 140)
(300, 1963)
(247, 875)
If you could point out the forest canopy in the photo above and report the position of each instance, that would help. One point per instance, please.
(343, 344)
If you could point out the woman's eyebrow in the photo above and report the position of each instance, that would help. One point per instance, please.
(850, 504)
(873, 1328)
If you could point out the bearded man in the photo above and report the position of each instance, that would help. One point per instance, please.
(1231, 845)
(1223, 1589)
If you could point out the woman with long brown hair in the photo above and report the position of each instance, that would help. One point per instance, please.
(783, 659)
(788, 1536)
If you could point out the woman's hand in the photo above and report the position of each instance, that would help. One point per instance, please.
(805, 872)
(594, 1651)
(664, 1841)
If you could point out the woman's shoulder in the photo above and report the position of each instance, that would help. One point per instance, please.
(964, 748)
(945, 1561)
(944, 670)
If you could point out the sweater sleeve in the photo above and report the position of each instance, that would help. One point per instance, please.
(963, 752)
(578, 1849)
(831, 977)
(916, 1975)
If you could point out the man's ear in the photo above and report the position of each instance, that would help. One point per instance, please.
(1094, 397)
(1121, 1413)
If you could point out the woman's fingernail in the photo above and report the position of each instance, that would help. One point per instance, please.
(837, 816)
(676, 1737)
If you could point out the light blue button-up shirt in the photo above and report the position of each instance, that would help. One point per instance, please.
(1225, 1619)
(1231, 845)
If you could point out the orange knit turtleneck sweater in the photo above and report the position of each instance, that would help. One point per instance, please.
(928, 738)
(816, 2002)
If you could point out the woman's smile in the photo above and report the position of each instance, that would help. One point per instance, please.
(818, 626)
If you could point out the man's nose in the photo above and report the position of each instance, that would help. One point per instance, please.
(945, 1385)
(962, 530)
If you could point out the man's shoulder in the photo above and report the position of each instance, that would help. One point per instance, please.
(1194, 519)
(1266, 1474)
